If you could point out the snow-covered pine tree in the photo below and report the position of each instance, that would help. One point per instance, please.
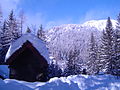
(0, 39)
(1, 24)
(107, 48)
(41, 33)
(9, 25)
(54, 71)
(5, 41)
(21, 20)
(13, 27)
(92, 64)
(16, 30)
(116, 68)
(28, 30)
(6, 38)
(73, 67)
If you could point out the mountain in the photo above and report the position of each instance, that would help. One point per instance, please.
(99, 24)
(61, 39)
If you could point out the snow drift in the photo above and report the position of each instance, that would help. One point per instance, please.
(4, 71)
(77, 82)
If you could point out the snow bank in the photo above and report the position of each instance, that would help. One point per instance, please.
(37, 43)
(4, 71)
(79, 82)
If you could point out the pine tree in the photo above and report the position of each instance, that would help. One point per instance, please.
(16, 31)
(116, 70)
(93, 56)
(13, 26)
(6, 39)
(9, 25)
(28, 30)
(54, 71)
(2, 48)
(22, 20)
(73, 67)
(107, 48)
(41, 33)
(1, 24)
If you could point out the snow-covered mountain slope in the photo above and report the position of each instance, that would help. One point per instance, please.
(79, 82)
(99, 24)
(87, 27)
(64, 37)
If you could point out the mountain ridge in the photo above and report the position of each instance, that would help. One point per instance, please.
(99, 24)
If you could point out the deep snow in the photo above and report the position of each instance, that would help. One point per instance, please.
(79, 82)
(4, 71)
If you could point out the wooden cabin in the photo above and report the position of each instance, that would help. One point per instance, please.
(27, 62)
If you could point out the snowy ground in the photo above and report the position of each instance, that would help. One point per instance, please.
(81, 82)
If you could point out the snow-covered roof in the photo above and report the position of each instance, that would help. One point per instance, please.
(36, 42)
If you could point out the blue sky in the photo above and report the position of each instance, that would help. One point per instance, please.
(57, 12)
